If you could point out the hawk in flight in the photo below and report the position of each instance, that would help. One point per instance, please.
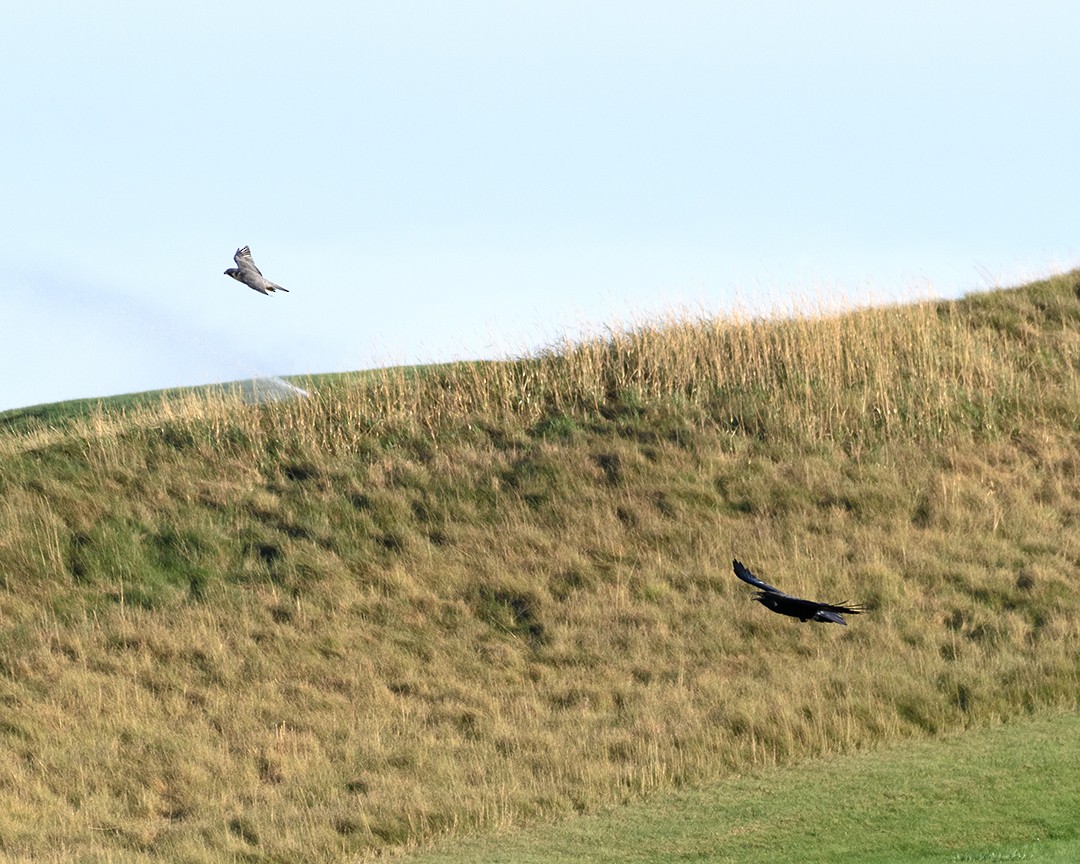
(245, 271)
(796, 607)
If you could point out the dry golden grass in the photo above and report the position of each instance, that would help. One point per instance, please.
(431, 601)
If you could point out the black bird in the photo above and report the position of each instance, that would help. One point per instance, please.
(796, 607)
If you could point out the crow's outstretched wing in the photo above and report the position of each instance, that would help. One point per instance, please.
(747, 576)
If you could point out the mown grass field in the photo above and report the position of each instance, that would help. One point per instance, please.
(422, 603)
(1007, 793)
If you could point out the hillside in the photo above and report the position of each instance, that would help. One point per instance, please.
(431, 601)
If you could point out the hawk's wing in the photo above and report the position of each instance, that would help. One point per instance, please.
(244, 260)
(749, 577)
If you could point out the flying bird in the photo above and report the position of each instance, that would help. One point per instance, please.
(245, 271)
(796, 607)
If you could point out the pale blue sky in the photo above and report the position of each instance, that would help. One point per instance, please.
(441, 180)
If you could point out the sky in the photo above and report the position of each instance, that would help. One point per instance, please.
(452, 180)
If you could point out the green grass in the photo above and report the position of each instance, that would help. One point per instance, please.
(1009, 793)
(422, 603)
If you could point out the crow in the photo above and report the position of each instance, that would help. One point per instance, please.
(796, 607)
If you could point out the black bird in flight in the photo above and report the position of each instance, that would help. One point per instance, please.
(796, 607)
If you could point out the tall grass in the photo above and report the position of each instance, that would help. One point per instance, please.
(990, 795)
(925, 370)
(428, 601)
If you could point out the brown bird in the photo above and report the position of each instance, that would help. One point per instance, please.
(245, 271)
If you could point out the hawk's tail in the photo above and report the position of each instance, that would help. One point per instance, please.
(274, 287)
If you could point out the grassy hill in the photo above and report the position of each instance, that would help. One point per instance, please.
(421, 602)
